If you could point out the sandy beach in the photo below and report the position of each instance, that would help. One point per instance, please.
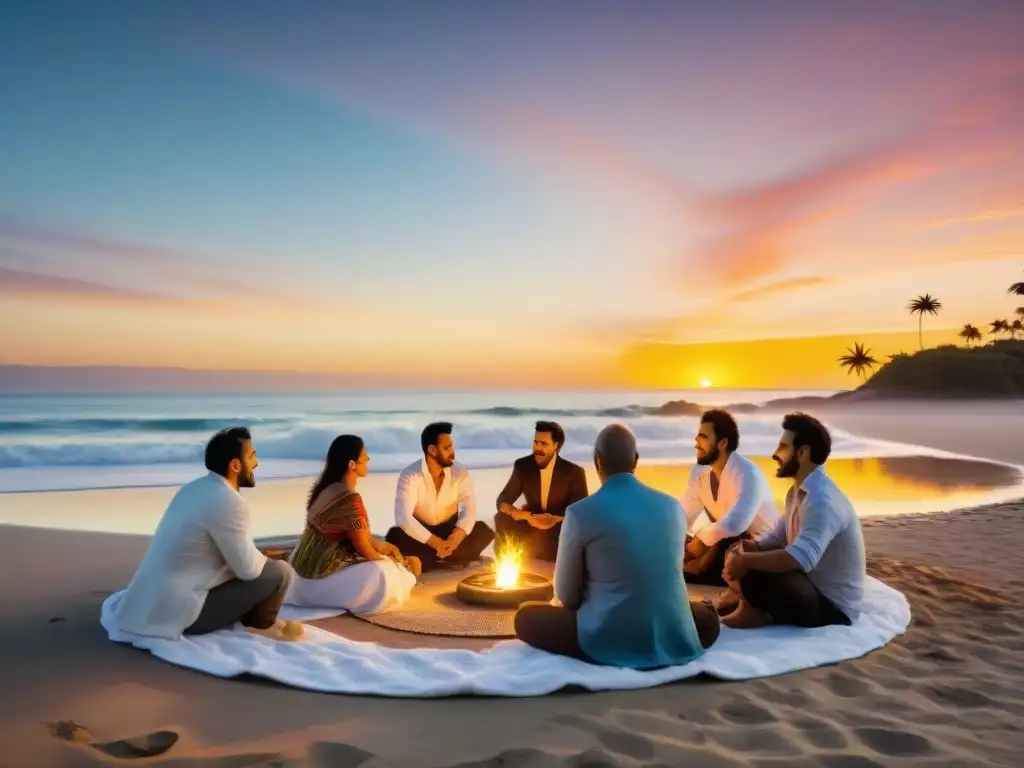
(948, 692)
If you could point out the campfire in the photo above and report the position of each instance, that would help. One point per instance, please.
(507, 585)
(507, 564)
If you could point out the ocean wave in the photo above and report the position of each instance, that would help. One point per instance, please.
(479, 441)
(52, 425)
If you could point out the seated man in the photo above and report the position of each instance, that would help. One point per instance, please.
(809, 569)
(202, 571)
(617, 577)
(435, 506)
(550, 484)
(732, 492)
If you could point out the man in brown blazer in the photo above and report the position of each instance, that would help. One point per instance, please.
(549, 484)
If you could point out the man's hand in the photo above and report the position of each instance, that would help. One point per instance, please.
(437, 544)
(735, 566)
(455, 539)
(543, 521)
(445, 550)
(507, 509)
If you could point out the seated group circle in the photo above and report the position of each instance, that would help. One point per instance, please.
(622, 555)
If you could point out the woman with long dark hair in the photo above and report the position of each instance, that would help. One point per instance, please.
(338, 563)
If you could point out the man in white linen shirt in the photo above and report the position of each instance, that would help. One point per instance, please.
(435, 506)
(809, 570)
(202, 572)
(734, 495)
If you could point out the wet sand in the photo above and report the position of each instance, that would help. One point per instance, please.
(949, 692)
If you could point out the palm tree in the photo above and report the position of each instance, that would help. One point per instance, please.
(858, 360)
(1017, 289)
(970, 333)
(919, 306)
(1017, 326)
(998, 326)
(1019, 312)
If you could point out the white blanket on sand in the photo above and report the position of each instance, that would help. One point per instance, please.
(325, 662)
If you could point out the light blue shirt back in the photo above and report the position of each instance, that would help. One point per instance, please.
(620, 555)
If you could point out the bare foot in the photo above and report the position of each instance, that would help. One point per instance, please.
(746, 617)
(414, 565)
(288, 631)
(726, 602)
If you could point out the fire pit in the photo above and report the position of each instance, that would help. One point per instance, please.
(506, 586)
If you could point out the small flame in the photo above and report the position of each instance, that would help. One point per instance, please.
(506, 566)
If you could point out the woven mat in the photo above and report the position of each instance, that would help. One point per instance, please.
(433, 609)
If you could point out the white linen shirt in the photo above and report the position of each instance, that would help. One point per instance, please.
(744, 503)
(417, 502)
(822, 532)
(202, 541)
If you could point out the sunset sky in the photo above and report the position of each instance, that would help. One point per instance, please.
(532, 194)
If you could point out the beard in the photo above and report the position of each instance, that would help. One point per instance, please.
(444, 463)
(542, 460)
(710, 457)
(789, 469)
(247, 479)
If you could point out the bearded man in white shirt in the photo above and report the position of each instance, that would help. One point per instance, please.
(734, 495)
(435, 506)
(202, 572)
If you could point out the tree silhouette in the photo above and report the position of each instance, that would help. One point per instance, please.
(998, 326)
(970, 333)
(921, 305)
(858, 360)
(1017, 289)
(1017, 326)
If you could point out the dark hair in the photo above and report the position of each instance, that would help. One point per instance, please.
(432, 433)
(224, 447)
(344, 449)
(725, 427)
(808, 431)
(553, 428)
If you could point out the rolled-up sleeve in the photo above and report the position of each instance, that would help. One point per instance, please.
(405, 508)
(819, 524)
(749, 497)
(231, 533)
(775, 538)
(569, 563)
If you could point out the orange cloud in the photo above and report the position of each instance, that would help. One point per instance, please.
(22, 243)
(782, 286)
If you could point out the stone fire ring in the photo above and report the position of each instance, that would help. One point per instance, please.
(479, 589)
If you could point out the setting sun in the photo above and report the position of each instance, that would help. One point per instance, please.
(705, 383)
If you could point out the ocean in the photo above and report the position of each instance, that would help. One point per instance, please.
(89, 441)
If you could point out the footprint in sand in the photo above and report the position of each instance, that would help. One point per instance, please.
(960, 697)
(338, 755)
(819, 733)
(146, 745)
(892, 743)
(621, 742)
(746, 713)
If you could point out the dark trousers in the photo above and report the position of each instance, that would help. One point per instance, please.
(254, 603)
(537, 543)
(553, 629)
(468, 551)
(790, 598)
(711, 564)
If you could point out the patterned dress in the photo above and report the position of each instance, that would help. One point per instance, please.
(336, 517)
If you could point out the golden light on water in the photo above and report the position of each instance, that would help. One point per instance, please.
(507, 563)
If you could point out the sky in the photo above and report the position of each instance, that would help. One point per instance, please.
(526, 195)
